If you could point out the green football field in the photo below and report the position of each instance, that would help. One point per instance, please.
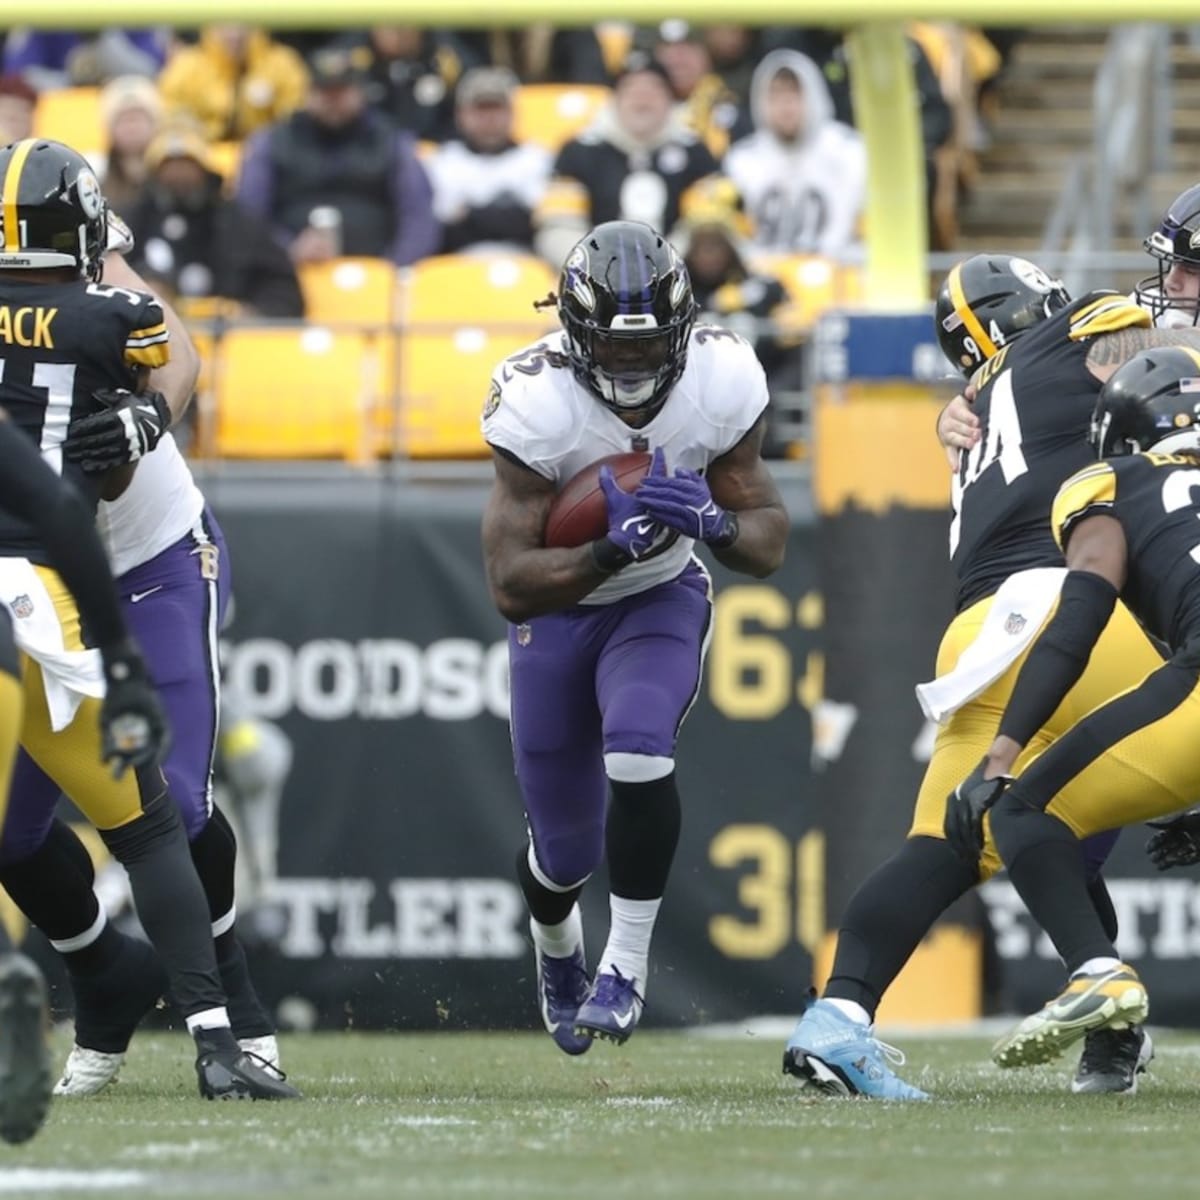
(506, 1115)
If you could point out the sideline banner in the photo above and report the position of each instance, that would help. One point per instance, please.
(363, 627)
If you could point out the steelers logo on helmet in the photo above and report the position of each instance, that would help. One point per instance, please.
(1033, 277)
(91, 199)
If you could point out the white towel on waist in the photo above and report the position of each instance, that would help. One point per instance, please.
(68, 675)
(1019, 609)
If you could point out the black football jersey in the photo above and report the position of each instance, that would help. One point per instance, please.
(600, 181)
(59, 343)
(1035, 402)
(1156, 497)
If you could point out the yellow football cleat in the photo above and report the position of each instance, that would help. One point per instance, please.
(1111, 999)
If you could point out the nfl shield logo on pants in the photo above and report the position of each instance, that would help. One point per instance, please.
(22, 606)
(1014, 624)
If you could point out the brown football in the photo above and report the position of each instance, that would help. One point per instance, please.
(579, 513)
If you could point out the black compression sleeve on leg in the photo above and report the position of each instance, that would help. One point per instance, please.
(644, 820)
(1102, 903)
(893, 909)
(1046, 865)
(546, 906)
(214, 851)
(53, 886)
(1059, 654)
(66, 527)
(170, 902)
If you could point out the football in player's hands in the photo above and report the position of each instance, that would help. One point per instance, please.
(579, 513)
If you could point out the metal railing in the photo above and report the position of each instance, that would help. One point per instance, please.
(1131, 141)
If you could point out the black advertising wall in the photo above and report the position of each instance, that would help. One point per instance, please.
(363, 628)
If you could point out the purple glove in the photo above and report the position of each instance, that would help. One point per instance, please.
(684, 502)
(631, 530)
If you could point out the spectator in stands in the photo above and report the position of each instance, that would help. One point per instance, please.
(338, 163)
(485, 186)
(636, 161)
(233, 81)
(18, 102)
(708, 107)
(540, 53)
(827, 49)
(55, 59)
(410, 75)
(132, 112)
(735, 52)
(195, 243)
(802, 174)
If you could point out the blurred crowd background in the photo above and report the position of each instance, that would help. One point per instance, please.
(356, 225)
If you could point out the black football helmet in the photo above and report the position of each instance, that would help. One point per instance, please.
(52, 212)
(1175, 241)
(1153, 400)
(988, 300)
(626, 305)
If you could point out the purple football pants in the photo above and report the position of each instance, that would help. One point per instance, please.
(174, 605)
(595, 680)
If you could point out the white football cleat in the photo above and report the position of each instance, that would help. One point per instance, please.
(88, 1072)
(266, 1048)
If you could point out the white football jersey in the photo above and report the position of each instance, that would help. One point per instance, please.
(159, 507)
(540, 413)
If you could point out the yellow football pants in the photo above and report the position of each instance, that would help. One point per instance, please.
(71, 757)
(1122, 658)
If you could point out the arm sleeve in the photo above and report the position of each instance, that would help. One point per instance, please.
(149, 345)
(1059, 655)
(418, 234)
(255, 182)
(64, 524)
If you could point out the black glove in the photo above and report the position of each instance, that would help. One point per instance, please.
(1177, 844)
(133, 726)
(132, 425)
(965, 807)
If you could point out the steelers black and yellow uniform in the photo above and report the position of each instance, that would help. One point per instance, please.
(1035, 401)
(1134, 758)
(61, 341)
(63, 335)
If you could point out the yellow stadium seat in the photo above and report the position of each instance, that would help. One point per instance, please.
(294, 392)
(616, 40)
(459, 316)
(814, 285)
(359, 291)
(553, 113)
(71, 115)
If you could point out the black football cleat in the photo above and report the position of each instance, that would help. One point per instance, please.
(25, 1074)
(1112, 1060)
(227, 1072)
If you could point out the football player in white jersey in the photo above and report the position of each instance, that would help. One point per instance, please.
(172, 569)
(607, 639)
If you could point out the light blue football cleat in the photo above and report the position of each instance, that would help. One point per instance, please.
(840, 1056)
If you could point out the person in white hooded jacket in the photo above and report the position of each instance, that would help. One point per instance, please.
(802, 174)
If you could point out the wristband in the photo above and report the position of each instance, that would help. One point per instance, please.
(729, 534)
(609, 557)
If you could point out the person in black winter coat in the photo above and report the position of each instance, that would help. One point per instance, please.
(194, 242)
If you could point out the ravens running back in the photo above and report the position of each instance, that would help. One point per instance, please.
(70, 345)
(1039, 360)
(1129, 528)
(607, 640)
